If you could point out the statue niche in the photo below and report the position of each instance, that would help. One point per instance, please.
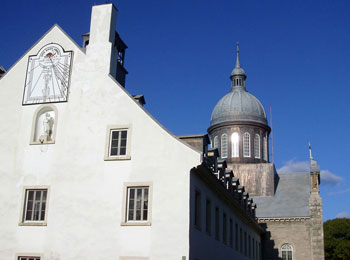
(44, 125)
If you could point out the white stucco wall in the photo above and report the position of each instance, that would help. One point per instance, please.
(86, 192)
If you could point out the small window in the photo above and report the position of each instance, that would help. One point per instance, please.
(137, 204)
(216, 142)
(137, 209)
(246, 145)
(217, 224)
(28, 258)
(257, 146)
(253, 249)
(197, 209)
(245, 243)
(287, 252)
(231, 233)
(235, 145)
(118, 144)
(241, 240)
(224, 228)
(249, 246)
(265, 148)
(208, 217)
(35, 207)
(236, 237)
(224, 146)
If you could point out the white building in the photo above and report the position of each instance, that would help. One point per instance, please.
(87, 173)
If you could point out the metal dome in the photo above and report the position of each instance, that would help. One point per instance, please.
(238, 105)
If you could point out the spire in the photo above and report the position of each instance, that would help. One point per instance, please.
(238, 65)
(238, 75)
(310, 152)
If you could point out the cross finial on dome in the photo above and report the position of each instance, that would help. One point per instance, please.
(237, 61)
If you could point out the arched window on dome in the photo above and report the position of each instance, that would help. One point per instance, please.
(257, 146)
(287, 252)
(224, 146)
(246, 144)
(265, 148)
(216, 142)
(235, 144)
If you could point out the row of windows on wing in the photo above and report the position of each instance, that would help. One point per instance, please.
(235, 145)
(225, 230)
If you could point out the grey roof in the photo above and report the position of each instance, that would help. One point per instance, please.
(291, 198)
(238, 105)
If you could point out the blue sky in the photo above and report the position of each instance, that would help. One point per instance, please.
(296, 55)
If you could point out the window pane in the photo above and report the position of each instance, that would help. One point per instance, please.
(115, 135)
(114, 151)
(124, 134)
(122, 151)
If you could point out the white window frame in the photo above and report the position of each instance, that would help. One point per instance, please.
(24, 205)
(235, 144)
(257, 146)
(125, 208)
(110, 130)
(216, 142)
(265, 148)
(246, 144)
(286, 248)
(26, 256)
(224, 152)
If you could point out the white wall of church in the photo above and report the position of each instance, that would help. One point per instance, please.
(85, 201)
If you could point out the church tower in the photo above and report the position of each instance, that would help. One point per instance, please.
(240, 131)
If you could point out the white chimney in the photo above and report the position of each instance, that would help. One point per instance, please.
(100, 50)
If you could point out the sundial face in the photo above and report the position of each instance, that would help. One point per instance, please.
(48, 76)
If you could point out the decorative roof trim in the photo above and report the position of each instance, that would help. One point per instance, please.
(290, 219)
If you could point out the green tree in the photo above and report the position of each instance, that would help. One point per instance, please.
(337, 239)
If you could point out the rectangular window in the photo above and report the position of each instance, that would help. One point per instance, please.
(236, 237)
(217, 224)
(208, 217)
(137, 207)
(253, 251)
(28, 258)
(241, 240)
(118, 143)
(35, 204)
(197, 209)
(224, 228)
(245, 243)
(249, 246)
(231, 233)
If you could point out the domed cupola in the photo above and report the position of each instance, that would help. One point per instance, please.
(238, 123)
(238, 104)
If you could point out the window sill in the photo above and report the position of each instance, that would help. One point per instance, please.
(42, 143)
(39, 223)
(118, 158)
(148, 223)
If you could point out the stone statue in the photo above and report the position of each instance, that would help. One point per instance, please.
(48, 126)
